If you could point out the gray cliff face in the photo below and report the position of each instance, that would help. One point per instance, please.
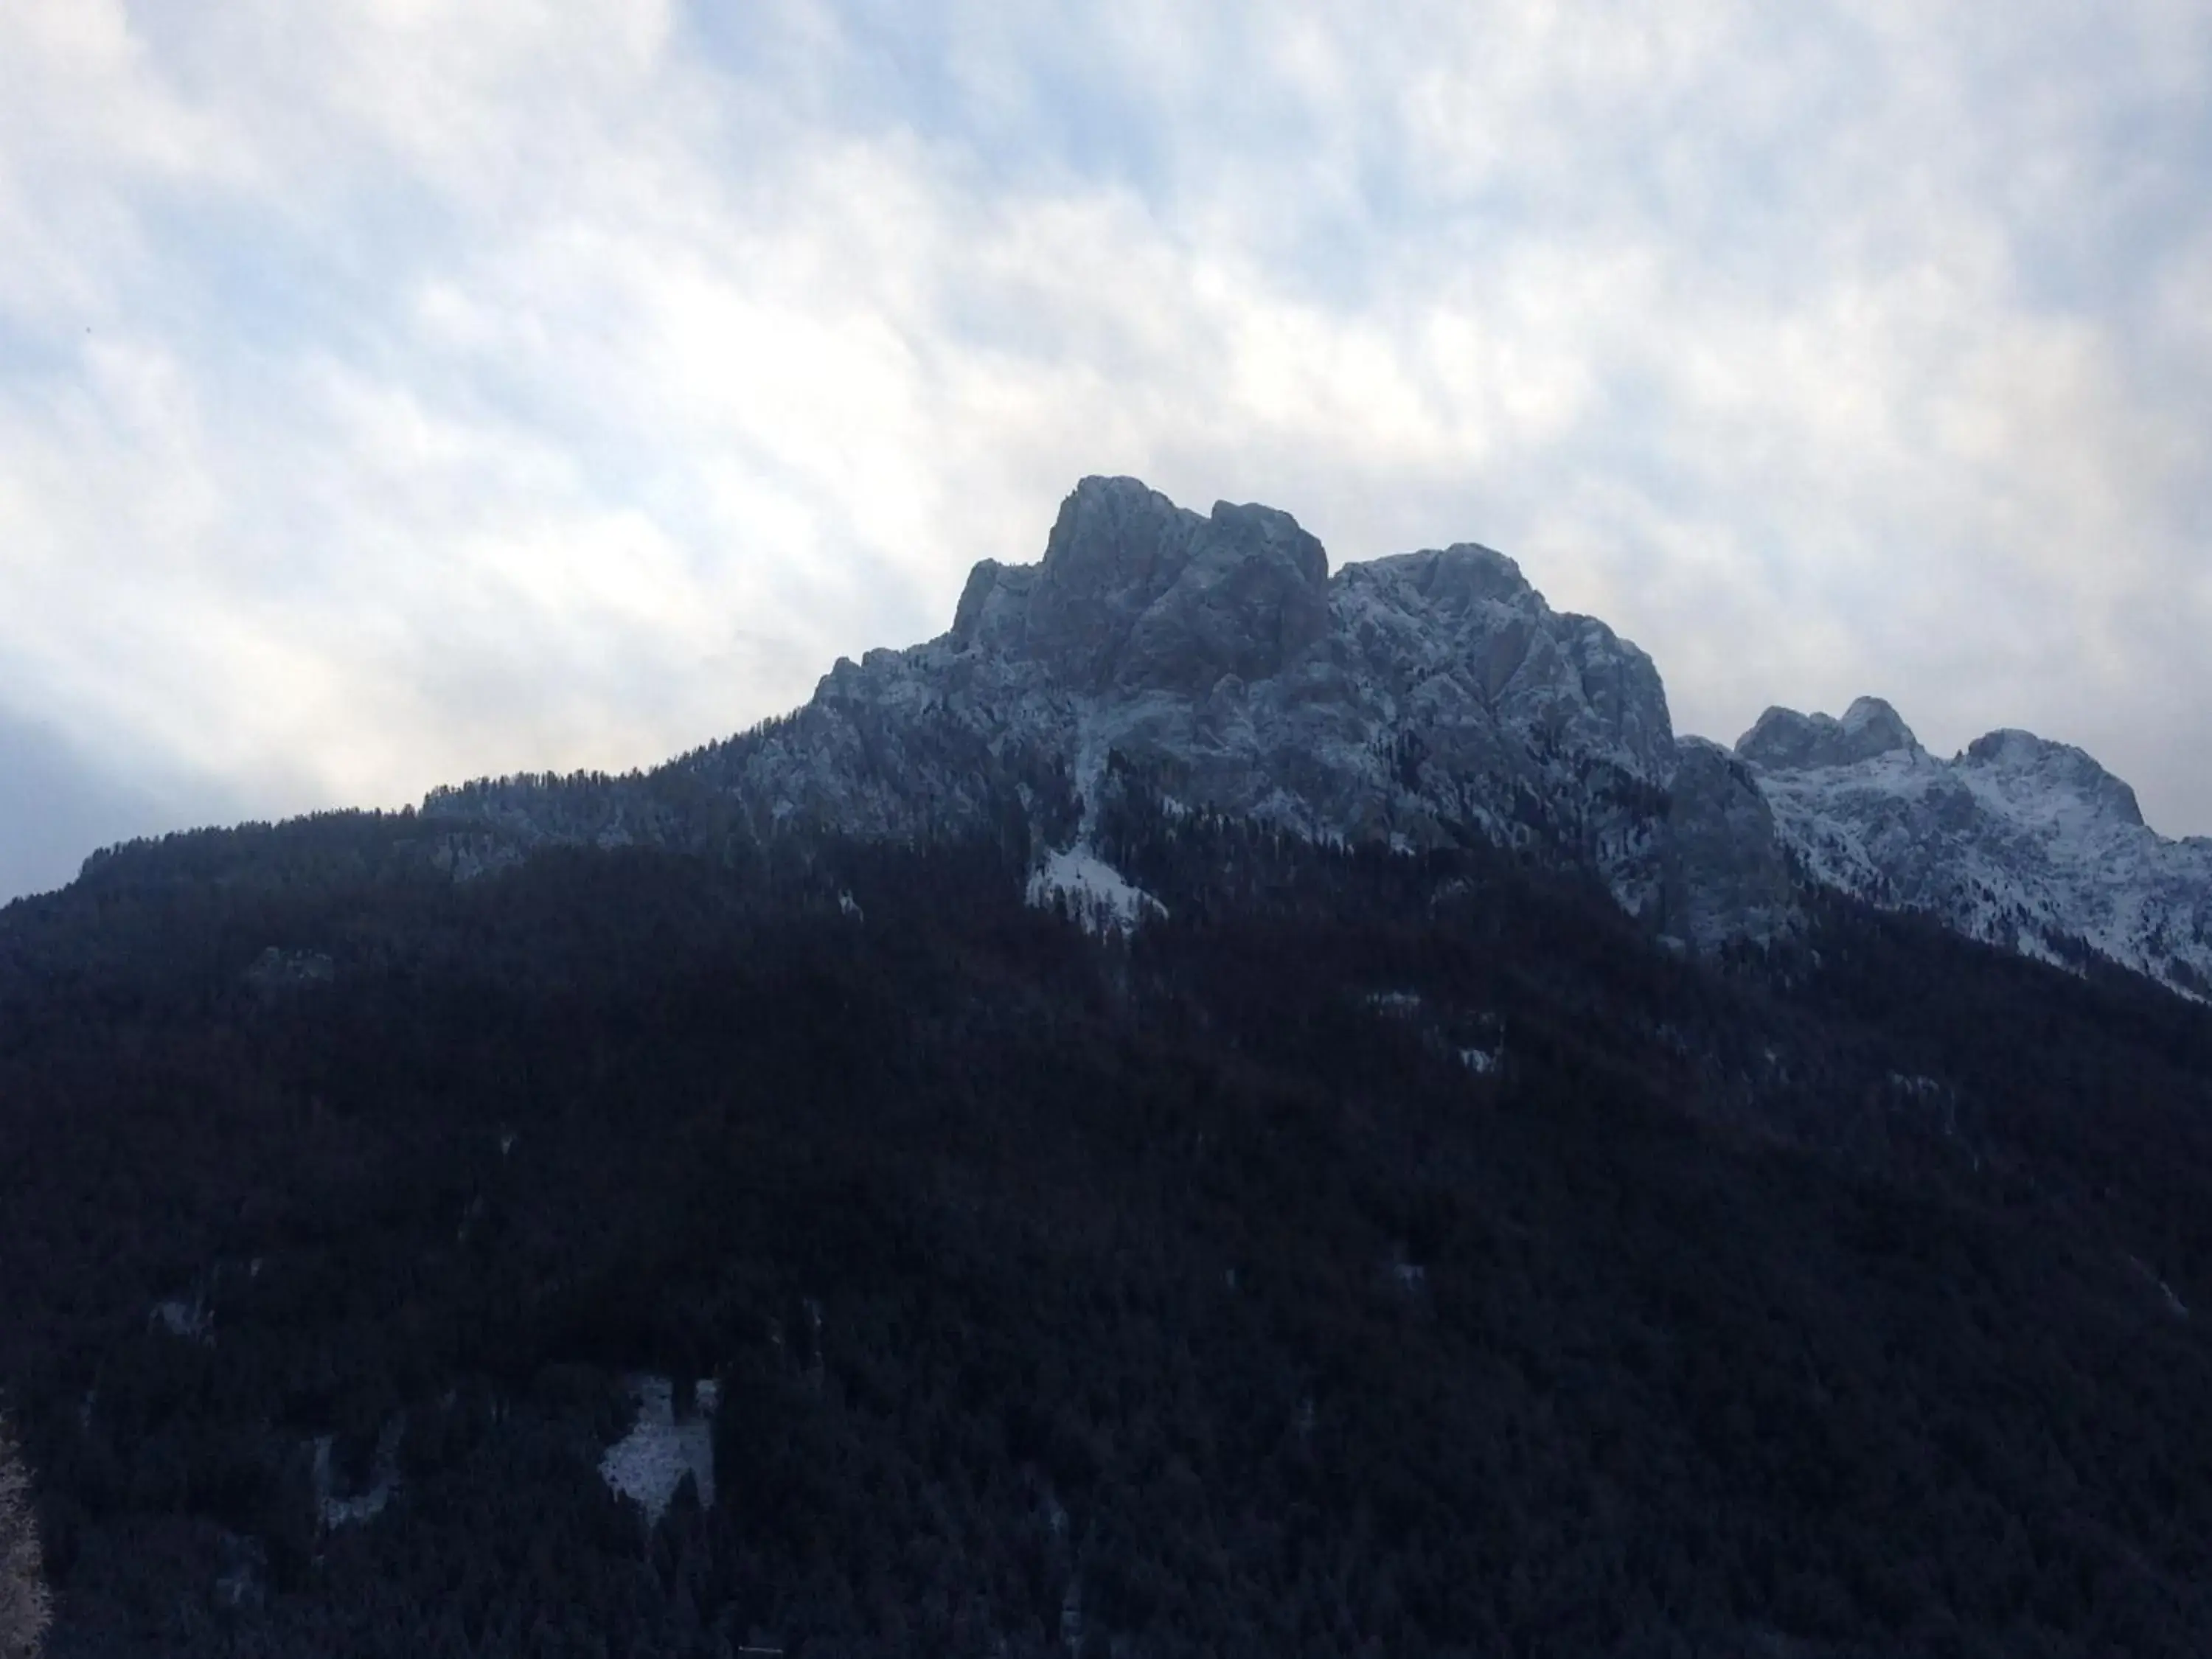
(1137, 595)
(1419, 700)
(1787, 741)
(1415, 699)
(1726, 874)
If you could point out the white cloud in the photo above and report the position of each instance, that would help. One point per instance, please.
(396, 391)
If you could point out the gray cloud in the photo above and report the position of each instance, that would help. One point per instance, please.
(60, 804)
(390, 393)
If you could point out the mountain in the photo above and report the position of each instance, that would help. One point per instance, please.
(1422, 701)
(2017, 841)
(1217, 1108)
(808, 1243)
(1427, 699)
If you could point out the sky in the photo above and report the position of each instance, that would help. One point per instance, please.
(393, 392)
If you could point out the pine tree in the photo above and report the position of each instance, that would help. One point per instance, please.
(25, 1607)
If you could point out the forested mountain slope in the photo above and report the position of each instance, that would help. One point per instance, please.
(1396, 1253)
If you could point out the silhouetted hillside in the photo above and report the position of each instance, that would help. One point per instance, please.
(1374, 1255)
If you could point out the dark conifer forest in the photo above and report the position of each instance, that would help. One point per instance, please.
(1376, 1255)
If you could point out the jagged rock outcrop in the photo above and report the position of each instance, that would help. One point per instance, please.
(2018, 840)
(1726, 875)
(1420, 699)
(1785, 740)
(1136, 595)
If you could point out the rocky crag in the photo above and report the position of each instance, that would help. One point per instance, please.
(2017, 841)
(1421, 700)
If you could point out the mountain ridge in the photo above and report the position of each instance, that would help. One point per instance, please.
(2017, 841)
(1424, 700)
(1420, 699)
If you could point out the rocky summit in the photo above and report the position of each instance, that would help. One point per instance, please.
(2017, 841)
(1423, 700)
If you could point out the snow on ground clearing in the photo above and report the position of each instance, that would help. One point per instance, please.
(1102, 899)
(648, 1463)
(351, 1508)
(190, 1320)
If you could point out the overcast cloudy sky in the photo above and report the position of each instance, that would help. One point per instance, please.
(394, 391)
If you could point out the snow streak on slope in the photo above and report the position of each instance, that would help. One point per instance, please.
(1101, 897)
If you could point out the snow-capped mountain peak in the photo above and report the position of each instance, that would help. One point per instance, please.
(1135, 595)
(1782, 737)
(2018, 840)
(2055, 781)
(1416, 700)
